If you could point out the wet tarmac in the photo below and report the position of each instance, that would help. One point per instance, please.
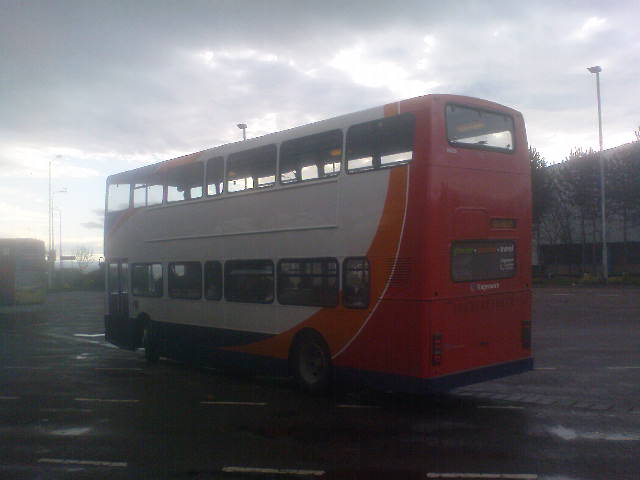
(72, 406)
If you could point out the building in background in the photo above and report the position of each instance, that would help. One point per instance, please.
(570, 230)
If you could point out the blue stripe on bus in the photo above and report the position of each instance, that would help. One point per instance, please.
(408, 384)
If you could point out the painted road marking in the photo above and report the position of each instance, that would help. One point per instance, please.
(274, 471)
(94, 463)
(106, 400)
(513, 476)
(9, 398)
(27, 368)
(246, 404)
(89, 335)
(56, 410)
(120, 369)
(501, 407)
(633, 367)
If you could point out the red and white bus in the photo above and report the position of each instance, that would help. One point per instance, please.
(391, 246)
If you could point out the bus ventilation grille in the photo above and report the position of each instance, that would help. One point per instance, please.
(400, 275)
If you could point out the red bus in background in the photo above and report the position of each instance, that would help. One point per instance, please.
(390, 246)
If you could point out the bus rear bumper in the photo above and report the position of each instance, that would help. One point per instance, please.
(407, 384)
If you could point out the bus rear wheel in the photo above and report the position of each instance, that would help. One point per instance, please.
(149, 343)
(311, 363)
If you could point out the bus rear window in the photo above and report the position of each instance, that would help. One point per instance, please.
(474, 128)
(483, 260)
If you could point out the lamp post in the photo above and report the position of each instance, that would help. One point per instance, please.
(605, 264)
(53, 239)
(243, 127)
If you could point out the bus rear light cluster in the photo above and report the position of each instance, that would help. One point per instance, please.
(526, 334)
(436, 349)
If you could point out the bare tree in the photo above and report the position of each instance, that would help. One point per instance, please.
(541, 193)
(84, 256)
(579, 178)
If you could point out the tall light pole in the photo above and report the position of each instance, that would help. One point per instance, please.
(243, 127)
(605, 264)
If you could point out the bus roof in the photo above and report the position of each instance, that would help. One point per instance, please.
(340, 122)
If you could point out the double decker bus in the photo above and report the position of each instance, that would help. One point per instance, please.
(22, 271)
(390, 246)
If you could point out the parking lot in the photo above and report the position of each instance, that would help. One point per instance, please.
(72, 406)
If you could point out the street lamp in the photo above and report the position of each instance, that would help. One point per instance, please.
(243, 127)
(605, 264)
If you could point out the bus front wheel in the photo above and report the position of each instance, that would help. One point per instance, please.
(149, 343)
(311, 362)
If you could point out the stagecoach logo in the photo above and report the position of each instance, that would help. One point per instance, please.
(481, 287)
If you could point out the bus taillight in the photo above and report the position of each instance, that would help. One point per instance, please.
(436, 349)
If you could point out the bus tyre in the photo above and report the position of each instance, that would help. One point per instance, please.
(311, 363)
(149, 343)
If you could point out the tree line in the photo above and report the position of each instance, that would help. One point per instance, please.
(567, 200)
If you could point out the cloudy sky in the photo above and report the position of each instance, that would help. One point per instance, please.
(99, 87)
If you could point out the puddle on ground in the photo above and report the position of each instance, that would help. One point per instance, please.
(570, 434)
(72, 431)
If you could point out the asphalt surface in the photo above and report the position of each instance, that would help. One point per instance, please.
(72, 406)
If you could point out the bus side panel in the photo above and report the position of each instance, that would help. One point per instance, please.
(479, 331)
(391, 342)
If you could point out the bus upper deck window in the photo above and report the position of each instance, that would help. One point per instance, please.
(308, 158)
(184, 182)
(118, 196)
(476, 128)
(215, 176)
(382, 143)
(250, 169)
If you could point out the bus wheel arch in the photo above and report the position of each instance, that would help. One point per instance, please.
(310, 362)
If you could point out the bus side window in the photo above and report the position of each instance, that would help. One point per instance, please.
(249, 281)
(308, 158)
(148, 190)
(146, 279)
(308, 281)
(185, 280)
(118, 197)
(356, 280)
(215, 176)
(381, 143)
(251, 169)
(184, 182)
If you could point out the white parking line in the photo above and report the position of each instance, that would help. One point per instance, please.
(88, 335)
(27, 368)
(106, 400)
(273, 471)
(511, 476)
(246, 404)
(94, 463)
(9, 398)
(120, 369)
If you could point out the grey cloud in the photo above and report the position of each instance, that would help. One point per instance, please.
(96, 225)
